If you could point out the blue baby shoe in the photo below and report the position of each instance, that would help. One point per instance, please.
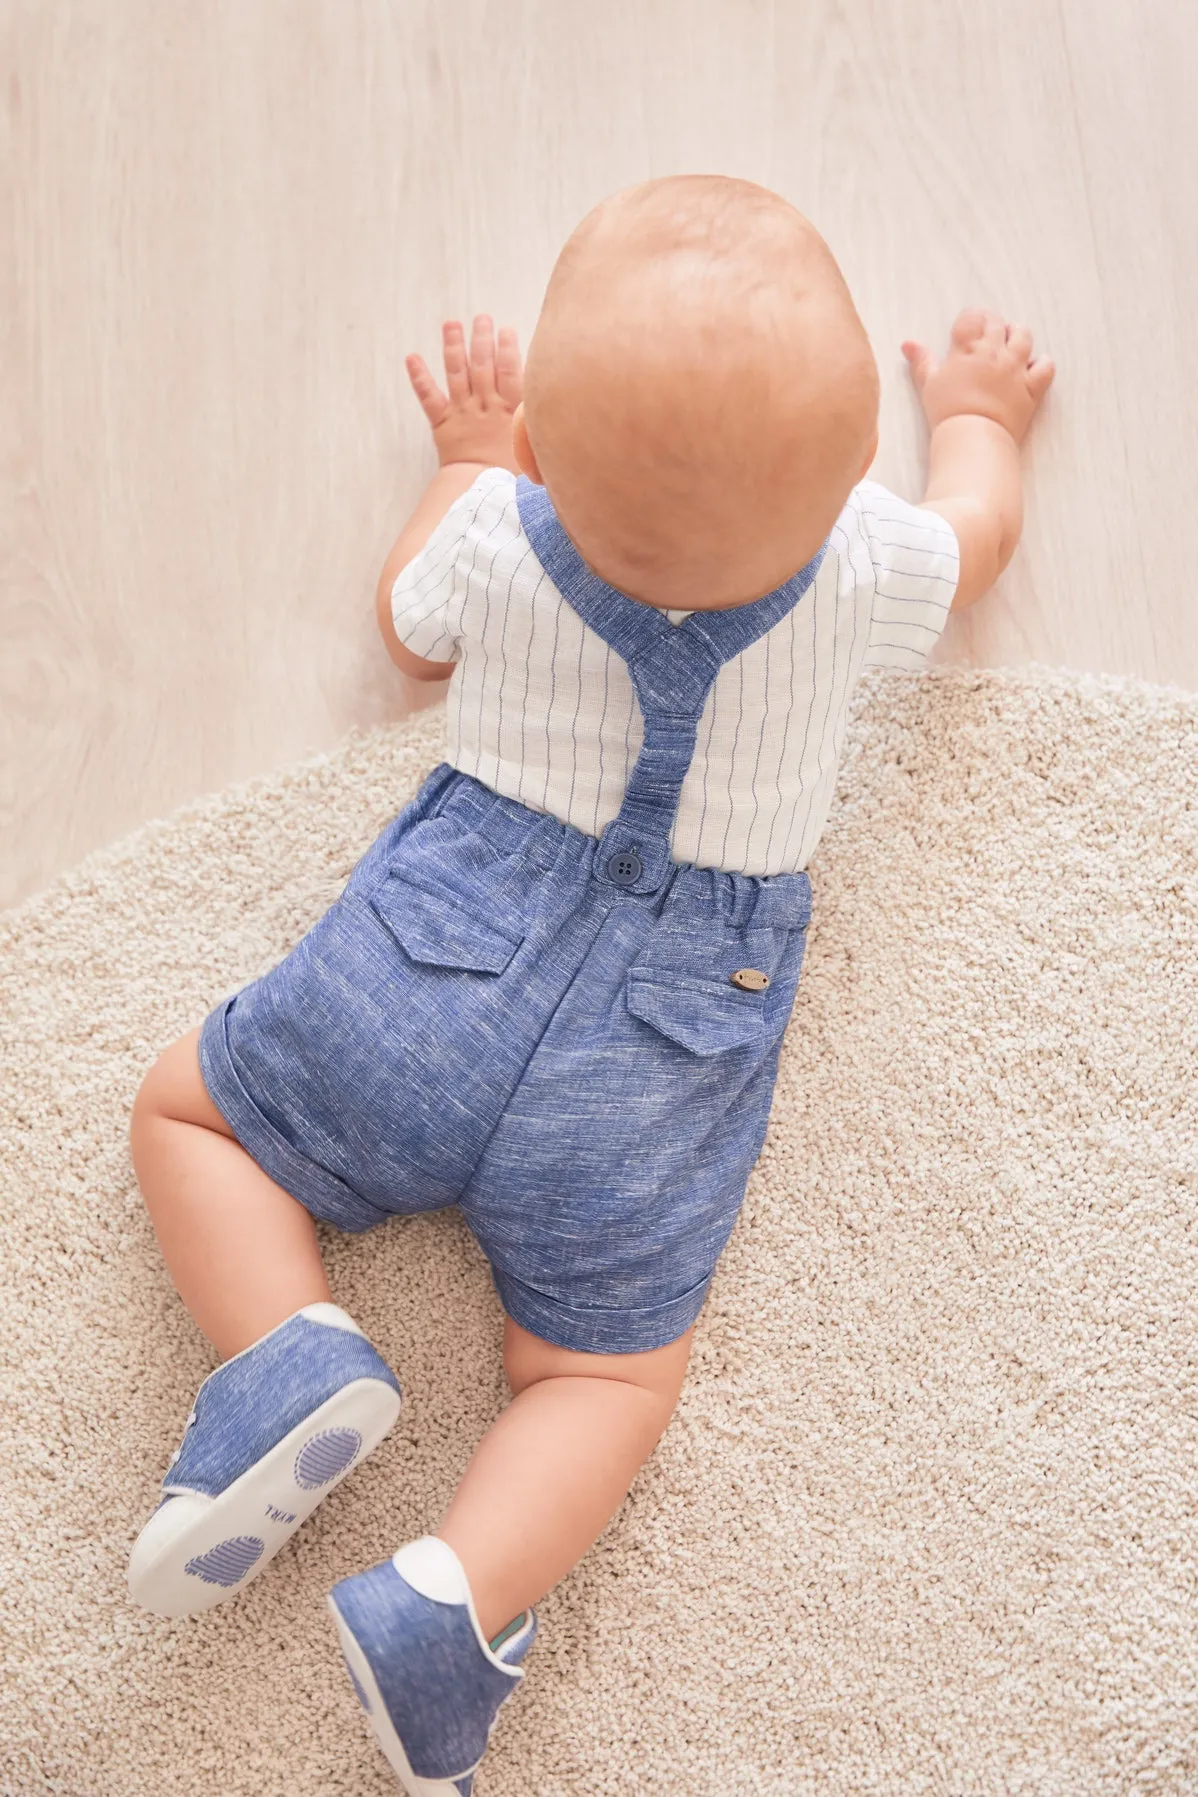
(272, 1431)
(429, 1682)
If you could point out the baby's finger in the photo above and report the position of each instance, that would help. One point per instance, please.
(920, 361)
(457, 372)
(432, 400)
(509, 370)
(1019, 342)
(482, 357)
(969, 326)
(1040, 377)
(994, 331)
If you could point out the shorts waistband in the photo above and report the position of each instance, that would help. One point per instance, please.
(508, 825)
(765, 900)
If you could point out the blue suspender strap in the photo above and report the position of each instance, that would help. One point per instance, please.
(672, 669)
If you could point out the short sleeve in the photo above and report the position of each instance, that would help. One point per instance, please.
(421, 599)
(916, 565)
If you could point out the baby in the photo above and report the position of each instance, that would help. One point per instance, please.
(553, 991)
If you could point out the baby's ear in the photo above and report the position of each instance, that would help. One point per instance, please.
(526, 461)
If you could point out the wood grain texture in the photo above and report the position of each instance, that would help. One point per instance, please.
(222, 226)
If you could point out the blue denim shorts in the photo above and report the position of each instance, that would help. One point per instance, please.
(482, 1020)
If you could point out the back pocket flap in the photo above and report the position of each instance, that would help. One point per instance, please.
(441, 932)
(706, 1016)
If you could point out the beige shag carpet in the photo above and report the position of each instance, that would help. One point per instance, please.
(925, 1521)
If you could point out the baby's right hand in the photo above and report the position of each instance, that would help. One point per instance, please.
(989, 371)
(473, 422)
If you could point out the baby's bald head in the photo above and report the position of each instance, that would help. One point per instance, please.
(700, 393)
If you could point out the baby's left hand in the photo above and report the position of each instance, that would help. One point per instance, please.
(474, 424)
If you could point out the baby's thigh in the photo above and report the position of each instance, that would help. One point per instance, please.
(174, 1089)
(658, 1372)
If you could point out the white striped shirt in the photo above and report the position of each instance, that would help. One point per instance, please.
(541, 710)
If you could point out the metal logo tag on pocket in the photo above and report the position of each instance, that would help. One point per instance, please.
(749, 979)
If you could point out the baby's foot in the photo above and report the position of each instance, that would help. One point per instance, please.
(429, 1682)
(272, 1431)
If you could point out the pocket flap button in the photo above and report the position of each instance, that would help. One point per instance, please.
(749, 979)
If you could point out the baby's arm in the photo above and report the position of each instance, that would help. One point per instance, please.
(472, 429)
(979, 404)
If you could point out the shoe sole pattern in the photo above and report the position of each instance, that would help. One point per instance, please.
(369, 1696)
(196, 1552)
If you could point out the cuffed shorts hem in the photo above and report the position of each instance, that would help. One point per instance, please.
(319, 1191)
(592, 1330)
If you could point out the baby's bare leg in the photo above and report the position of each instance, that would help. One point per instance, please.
(241, 1251)
(554, 1469)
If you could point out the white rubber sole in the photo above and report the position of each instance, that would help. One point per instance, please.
(196, 1552)
(381, 1726)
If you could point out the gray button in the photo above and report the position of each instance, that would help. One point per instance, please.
(626, 868)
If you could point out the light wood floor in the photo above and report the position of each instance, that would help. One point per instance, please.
(222, 225)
